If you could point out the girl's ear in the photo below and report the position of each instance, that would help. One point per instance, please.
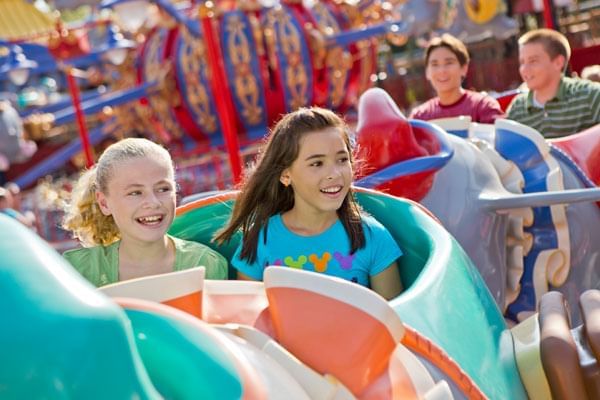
(102, 203)
(285, 178)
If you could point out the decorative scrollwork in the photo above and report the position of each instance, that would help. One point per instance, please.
(154, 69)
(294, 72)
(338, 60)
(245, 84)
(192, 59)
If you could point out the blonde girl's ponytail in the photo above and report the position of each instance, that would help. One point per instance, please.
(83, 216)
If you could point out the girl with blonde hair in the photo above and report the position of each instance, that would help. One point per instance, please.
(121, 210)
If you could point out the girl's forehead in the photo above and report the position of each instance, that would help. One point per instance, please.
(149, 160)
(142, 168)
(323, 134)
(323, 139)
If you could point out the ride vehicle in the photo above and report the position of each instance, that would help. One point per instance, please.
(297, 335)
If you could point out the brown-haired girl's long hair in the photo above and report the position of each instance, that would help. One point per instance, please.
(263, 195)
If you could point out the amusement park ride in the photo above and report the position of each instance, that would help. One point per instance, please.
(489, 321)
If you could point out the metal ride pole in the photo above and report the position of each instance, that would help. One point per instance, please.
(83, 132)
(221, 92)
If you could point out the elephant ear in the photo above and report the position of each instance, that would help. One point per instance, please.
(584, 149)
(386, 139)
(384, 135)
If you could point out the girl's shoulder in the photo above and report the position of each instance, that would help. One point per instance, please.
(371, 222)
(187, 246)
(87, 253)
(425, 110)
(98, 264)
(191, 254)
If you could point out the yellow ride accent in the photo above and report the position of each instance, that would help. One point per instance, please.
(480, 11)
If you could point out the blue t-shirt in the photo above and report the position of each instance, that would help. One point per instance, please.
(327, 252)
(10, 212)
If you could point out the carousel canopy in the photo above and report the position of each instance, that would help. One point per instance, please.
(20, 20)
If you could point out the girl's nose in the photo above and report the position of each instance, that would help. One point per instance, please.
(152, 200)
(333, 173)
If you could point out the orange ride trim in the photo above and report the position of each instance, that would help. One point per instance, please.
(419, 344)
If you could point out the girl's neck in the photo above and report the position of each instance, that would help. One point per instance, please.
(137, 259)
(451, 97)
(308, 224)
(138, 250)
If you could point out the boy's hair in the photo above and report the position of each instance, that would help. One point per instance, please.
(82, 215)
(554, 43)
(263, 195)
(451, 43)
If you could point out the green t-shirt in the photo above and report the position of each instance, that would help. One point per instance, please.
(100, 264)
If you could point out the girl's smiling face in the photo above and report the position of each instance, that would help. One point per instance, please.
(321, 175)
(444, 71)
(140, 196)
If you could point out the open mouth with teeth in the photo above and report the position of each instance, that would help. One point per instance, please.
(150, 220)
(332, 190)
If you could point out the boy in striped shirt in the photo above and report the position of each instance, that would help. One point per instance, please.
(555, 105)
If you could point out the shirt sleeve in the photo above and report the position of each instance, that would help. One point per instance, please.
(489, 110)
(384, 249)
(513, 108)
(192, 254)
(215, 264)
(252, 270)
(595, 103)
(419, 112)
(86, 262)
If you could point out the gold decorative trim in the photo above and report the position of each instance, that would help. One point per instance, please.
(245, 84)
(192, 59)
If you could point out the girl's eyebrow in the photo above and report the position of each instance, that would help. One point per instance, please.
(139, 185)
(314, 156)
(324, 155)
(133, 185)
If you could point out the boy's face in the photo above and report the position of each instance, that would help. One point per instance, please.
(444, 70)
(536, 67)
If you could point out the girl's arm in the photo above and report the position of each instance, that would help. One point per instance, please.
(387, 283)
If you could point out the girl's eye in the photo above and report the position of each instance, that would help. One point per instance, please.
(164, 189)
(344, 160)
(316, 164)
(134, 193)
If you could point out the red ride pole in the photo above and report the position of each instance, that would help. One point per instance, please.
(83, 133)
(548, 16)
(220, 91)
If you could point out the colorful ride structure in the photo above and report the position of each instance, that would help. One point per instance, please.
(298, 335)
(521, 207)
(471, 20)
(209, 75)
